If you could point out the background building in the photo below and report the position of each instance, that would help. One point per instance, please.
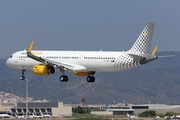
(159, 108)
(56, 109)
(137, 109)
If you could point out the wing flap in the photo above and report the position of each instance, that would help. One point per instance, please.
(66, 66)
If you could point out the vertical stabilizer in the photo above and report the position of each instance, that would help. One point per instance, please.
(142, 44)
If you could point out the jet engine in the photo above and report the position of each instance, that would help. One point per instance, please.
(84, 73)
(43, 70)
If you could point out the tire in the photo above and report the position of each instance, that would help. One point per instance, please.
(63, 78)
(22, 77)
(90, 79)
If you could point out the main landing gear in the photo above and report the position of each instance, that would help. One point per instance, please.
(63, 78)
(90, 78)
(22, 77)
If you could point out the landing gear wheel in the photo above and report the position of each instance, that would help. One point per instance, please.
(22, 77)
(90, 78)
(63, 78)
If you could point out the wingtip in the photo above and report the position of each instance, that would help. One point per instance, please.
(154, 51)
(31, 46)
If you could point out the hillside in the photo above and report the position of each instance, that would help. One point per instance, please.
(155, 82)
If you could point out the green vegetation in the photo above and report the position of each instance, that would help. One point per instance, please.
(83, 101)
(99, 109)
(148, 113)
(171, 114)
(160, 114)
(91, 119)
(80, 110)
(78, 116)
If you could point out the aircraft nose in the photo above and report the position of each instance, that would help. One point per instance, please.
(9, 62)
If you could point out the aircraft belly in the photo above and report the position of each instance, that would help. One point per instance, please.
(99, 66)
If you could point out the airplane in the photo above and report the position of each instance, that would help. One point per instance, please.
(30, 117)
(85, 63)
(5, 116)
(19, 116)
(37, 116)
(46, 115)
(131, 117)
(172, 117)
(157, 117)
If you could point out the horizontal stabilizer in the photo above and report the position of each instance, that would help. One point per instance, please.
(137, 57)
(166, 56)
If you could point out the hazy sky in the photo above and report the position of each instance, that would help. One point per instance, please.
(86, 24)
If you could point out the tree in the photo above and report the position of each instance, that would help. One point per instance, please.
(160, 114)
(83, 101)
(171, 114)
(148, 113)
(81, 110)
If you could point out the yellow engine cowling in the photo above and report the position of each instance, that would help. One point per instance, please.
(83, 73)
(42, 70)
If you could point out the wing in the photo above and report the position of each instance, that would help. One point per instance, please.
(61, 65)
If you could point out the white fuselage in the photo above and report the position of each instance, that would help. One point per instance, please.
(84, 63)
(92, 60)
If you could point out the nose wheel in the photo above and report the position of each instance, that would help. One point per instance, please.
(22, 77)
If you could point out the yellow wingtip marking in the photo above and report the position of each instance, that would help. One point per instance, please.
(154, 51)
(31, 46)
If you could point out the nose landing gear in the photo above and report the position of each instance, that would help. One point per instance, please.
(22, 77)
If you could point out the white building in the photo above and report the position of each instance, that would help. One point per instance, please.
(137, 109)
(159, 108)
(56, 109)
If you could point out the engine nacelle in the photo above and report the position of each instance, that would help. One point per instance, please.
(84, 73)
(43, 70)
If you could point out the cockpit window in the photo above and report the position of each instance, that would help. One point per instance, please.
(11, 56)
